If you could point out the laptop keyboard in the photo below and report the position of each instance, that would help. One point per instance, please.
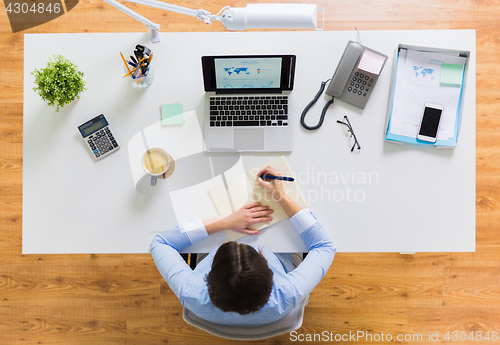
(254, 111)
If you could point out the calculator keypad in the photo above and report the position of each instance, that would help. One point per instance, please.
(102, 142)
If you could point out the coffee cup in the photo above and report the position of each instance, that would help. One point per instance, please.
(155, 162)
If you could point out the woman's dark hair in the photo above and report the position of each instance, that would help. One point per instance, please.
(240, 279)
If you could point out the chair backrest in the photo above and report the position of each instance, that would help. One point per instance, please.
(289, 323)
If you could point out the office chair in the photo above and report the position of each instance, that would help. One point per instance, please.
(194, 259)
(289, 323)
(192, 262)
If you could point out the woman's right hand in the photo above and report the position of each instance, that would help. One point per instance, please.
(275, 187)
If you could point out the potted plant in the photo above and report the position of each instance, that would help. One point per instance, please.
(59, 83)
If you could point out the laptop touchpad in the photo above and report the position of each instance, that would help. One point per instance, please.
(249, 139)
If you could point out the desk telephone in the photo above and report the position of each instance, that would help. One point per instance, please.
(353, 80)
(356, 74)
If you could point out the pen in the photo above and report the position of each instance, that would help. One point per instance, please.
(281, 178)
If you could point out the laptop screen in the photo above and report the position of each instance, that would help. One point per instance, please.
(251, 73)
(248, 72)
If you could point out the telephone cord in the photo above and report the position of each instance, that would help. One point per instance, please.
(323, 112)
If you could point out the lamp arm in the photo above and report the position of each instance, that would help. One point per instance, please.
(152, 26)
(204, 15)
(253, 16)
(167, 7)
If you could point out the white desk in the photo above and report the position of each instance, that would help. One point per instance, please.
(373, 201)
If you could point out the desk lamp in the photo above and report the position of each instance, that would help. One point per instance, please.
(282, 16)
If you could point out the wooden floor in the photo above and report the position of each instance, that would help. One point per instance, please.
(122, 299)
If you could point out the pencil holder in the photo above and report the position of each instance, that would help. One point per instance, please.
(144, 81)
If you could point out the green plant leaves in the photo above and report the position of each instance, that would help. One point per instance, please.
(59, 83)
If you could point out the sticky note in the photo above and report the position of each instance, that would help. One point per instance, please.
(172, 114)
(451, 74)
(371, 62)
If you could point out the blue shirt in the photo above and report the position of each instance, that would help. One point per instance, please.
(289, 287)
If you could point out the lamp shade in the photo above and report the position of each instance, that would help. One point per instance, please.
(282, 16)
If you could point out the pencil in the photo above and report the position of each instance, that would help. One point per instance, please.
(125, 62)
(129, 73)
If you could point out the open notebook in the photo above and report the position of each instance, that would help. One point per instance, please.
(243, 189)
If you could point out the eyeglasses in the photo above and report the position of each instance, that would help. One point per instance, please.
(350, 133)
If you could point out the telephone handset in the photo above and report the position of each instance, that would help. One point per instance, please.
(356, 74)
(353, 80)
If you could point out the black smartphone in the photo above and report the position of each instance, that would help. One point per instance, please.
(429, 123)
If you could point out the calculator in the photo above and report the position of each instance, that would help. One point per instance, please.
(99, 137)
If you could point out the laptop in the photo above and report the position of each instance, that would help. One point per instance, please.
(246, 102)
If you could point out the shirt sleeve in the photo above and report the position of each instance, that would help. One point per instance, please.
(317, 262)
(165, 251)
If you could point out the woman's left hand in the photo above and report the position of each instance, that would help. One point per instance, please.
(248, 215)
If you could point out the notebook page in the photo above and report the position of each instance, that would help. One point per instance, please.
(244, 189)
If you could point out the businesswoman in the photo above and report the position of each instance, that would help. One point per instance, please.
(237, 284)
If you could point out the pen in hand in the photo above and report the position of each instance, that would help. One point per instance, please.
(280, 178)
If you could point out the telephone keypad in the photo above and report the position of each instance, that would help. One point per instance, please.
(360, 84)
